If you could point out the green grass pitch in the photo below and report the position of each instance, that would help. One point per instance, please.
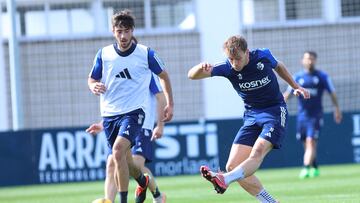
(340, 183)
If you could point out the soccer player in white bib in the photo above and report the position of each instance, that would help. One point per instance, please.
(121, 75)
(142, 151)
(251, 74)
(310, 111)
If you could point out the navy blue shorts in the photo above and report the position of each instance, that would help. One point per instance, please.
(268, 123)
(127, 125)
(308, 127)
(143, 145)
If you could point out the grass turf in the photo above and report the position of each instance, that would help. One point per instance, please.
(340, 183)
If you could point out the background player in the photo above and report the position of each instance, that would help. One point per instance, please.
(310, 111)
(251, 75)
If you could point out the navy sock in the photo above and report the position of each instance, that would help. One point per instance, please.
(314, 164)
(141, 180)
(156, 193)
(123, 197)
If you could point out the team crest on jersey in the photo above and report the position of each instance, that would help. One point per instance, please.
(239, 76)
(315, 80)
(260, 66)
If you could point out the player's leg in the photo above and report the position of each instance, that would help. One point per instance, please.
(238, 154)
(244, 140)
(158, 197)
(110, 186)
(240, 172)
(143, 153)
(141, 178)
(120, 148)
(310, 156)
(248, 167)
(301, 130)
(251, 184)
(129, 127)
(310, 136)
(310, 151)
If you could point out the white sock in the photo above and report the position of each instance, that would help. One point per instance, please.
(265, 197)
(234, 175)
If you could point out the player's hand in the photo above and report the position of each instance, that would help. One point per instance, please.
(337, 116)
(157, 132)
(302, 91)
(97, 88)
(206, 67)
(168, 113)
(94, 128)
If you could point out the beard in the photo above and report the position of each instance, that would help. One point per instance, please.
(125, 44)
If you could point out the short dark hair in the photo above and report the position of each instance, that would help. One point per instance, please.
(312, 53)
(123, 18)
(234, 44)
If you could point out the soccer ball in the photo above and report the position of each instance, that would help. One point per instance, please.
(102, 200)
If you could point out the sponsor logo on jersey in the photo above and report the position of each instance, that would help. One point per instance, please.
(124, 74)
(255, 84)
(239, 76)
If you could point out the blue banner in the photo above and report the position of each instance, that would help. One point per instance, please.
(72, 155)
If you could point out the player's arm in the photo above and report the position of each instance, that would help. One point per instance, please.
(200, 71)
(167, 89)
(158, 67)
(285, 75)
(96, 87)
(331, 89)
(287, 95)
(95, 75)
(160, 104)
(337, 112)
(95, 128)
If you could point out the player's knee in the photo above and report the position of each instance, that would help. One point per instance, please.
(110, 165)
(118, 154)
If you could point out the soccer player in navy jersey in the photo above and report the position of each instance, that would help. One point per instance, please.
(142, 151)
(251, 75)
(121, 75)
(310, 111)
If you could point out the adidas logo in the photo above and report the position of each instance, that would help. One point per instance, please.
(124, 74)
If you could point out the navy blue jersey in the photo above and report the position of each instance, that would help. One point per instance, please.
(316, 82)
(256, 83)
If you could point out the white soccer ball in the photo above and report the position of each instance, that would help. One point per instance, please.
(102, 200)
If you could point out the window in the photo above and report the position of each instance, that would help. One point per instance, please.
(58, 22)
(266, 10)
(275, 11)
(350, 8)
(70, 18)
(303, 9)
(5, 25)
(136, 6)
(56, 18)
(172, 14)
